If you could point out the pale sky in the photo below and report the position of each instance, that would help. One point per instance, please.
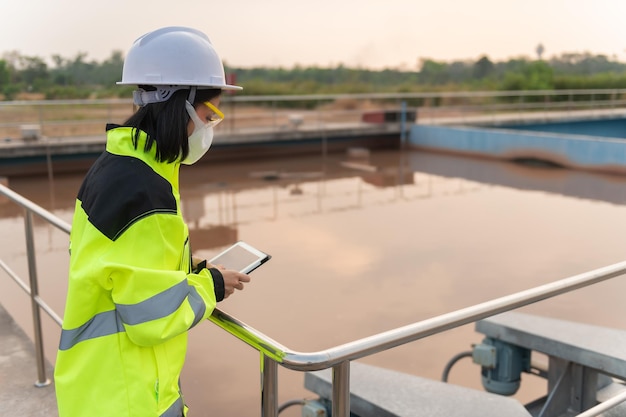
(355, 33)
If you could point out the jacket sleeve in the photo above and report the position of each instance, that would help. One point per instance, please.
(147, 274)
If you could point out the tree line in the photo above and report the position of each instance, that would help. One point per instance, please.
(80, 78)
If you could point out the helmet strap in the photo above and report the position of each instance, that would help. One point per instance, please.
(142, 97)
(192, 94)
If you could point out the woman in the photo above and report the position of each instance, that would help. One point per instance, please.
(133, 292)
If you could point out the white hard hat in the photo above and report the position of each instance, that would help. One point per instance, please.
(172, 58)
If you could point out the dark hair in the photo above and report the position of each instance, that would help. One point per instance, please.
(165, 123)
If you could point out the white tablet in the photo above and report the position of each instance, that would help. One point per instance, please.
(241, 257)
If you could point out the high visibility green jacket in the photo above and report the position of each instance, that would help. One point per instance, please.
(132, 296)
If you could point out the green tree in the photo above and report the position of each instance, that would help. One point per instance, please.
(537, 75)
(5, 74)
(459, 71)
(110, 70)
(7, 89)
(33, 72)
(483, 68)
(82, 77)
(433, 72)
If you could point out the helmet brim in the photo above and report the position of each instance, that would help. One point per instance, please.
(219, 87)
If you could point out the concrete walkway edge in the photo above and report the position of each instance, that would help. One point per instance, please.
(18, 373)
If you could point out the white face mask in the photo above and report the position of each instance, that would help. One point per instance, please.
(201, 138)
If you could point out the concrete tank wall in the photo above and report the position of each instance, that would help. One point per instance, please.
(575, 151)
(601, 127)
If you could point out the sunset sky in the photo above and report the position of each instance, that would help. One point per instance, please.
(380, 34)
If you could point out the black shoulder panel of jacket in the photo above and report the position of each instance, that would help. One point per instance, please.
(119, 190)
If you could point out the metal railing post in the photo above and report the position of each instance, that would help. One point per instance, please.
(42, 381)
(40, 117)
(269, 387)
(341, 390)
(403, 120)
(274, 115)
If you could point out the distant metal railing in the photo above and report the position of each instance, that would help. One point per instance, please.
(338, 358)
(80, 118)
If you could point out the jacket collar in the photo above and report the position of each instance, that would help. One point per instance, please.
(119, 142)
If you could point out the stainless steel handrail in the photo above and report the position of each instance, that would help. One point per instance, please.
(314, 361)
(34, 208)
(33, 291)
(338, 357)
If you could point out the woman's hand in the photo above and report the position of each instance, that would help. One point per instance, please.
(232, 280)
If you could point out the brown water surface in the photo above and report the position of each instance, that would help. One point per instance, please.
(360, 247)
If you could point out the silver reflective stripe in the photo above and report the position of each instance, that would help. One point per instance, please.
(175, 410)
(162, 305)
(156, 307)
(101, 324)
(197, 305)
